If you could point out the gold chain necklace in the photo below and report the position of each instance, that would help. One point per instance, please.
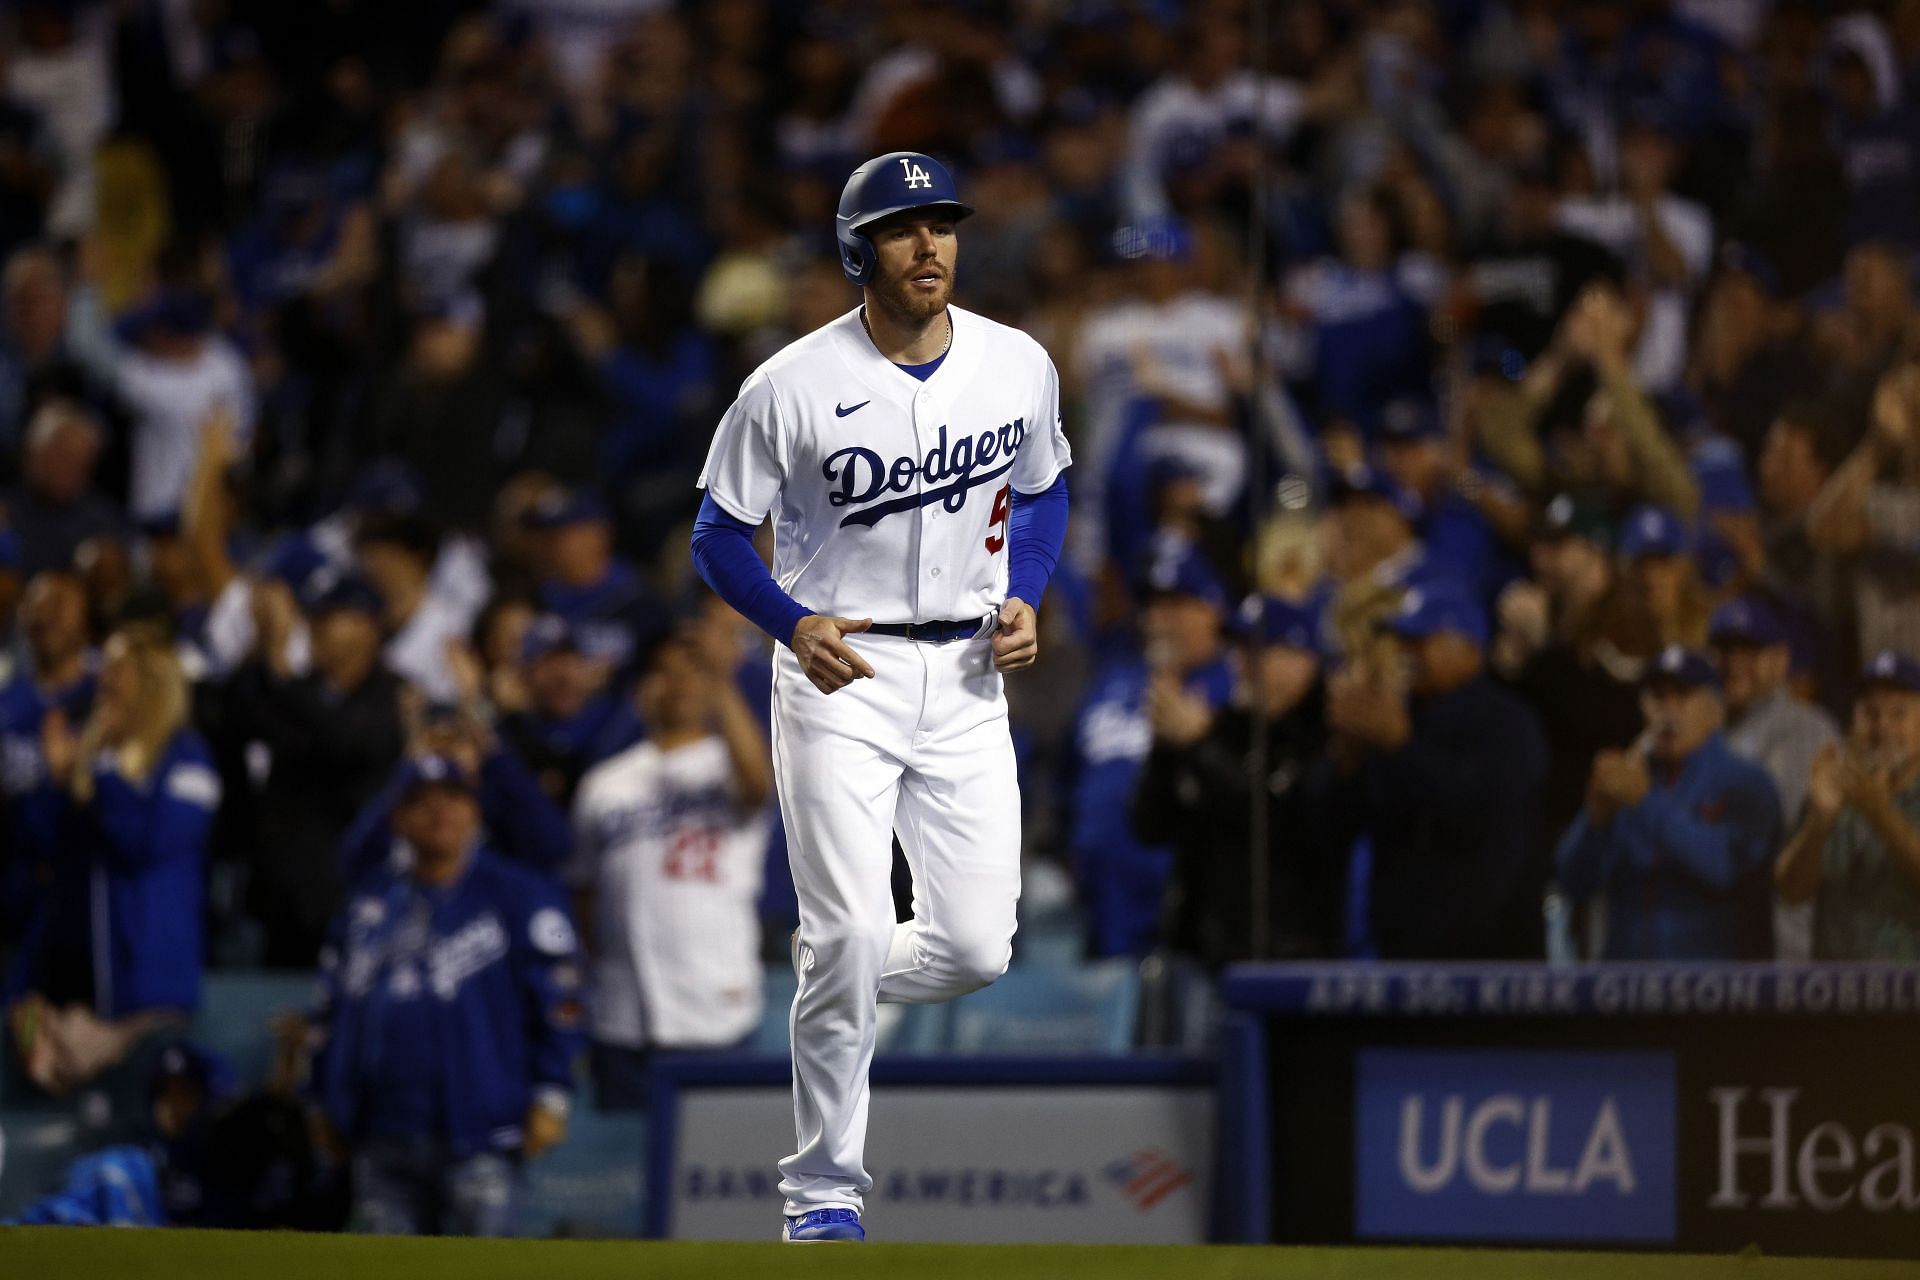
(943, 346)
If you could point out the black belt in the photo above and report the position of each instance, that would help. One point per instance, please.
(944, 631)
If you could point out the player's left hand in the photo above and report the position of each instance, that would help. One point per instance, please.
(1016, 642)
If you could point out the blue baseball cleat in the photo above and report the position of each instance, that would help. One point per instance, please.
(823, 1226)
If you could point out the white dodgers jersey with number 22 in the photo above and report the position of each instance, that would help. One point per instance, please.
(674, 862)
(890, 496)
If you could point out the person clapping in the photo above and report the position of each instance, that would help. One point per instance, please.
(1677, 831)
(1431, 782)
(116, 949)
(1858, 847)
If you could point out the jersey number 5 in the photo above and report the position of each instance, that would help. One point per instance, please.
(997, 522)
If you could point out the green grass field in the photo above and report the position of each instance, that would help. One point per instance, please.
(70, 1254)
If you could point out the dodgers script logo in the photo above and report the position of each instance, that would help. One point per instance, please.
(859, 475)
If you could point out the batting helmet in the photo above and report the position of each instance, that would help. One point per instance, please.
(884, 185)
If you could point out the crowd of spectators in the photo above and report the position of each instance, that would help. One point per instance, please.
(1498, 419)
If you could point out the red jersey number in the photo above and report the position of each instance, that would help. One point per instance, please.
(694, 854)
(997, 523)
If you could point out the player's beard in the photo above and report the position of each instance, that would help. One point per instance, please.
(909, 306)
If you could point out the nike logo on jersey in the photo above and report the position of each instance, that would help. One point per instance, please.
(838, 412)
(859, 475)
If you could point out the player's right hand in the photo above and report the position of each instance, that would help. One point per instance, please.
(827, 660)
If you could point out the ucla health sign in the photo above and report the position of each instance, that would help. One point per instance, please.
(1471, 1144)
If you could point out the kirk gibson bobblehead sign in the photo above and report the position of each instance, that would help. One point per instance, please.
(1689, 1106)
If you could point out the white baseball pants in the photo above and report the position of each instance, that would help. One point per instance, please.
(922, 749)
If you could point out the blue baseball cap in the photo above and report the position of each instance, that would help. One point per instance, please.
(1892, 669)
(1739, 258)
(1408, 420)
(9, 549)
(461, 308)
(1651, 113)
(183, 1060)
(1168, 468)
(1178, 568)
(549, 633)
(160, 526)
(170, 310)
(1745, 621)
(293, 558)
(387, 488)
(1652, 531)
(1492, 356)
(421, 772)
(1161, 238)
(1679, 665)
(1372, 482)
(1428, 611)
(1720, 469)
(330, 593)
(558, 510)
(294, 185)
(1270, 620)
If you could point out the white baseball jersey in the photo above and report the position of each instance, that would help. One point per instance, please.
(890, 495)
(675, 864)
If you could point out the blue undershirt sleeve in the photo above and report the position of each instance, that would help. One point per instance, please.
(1037, 528)
(724, 556)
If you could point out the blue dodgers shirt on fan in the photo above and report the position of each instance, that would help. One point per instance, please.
(1514, 1145)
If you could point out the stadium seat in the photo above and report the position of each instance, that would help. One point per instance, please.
(904, 1028)
(1056, 940)
(1180, 1007)
(593, 1184)
(1038, 1010)
(1052, 928)
(913, 1029)
(15, 1089)
(235, 1020)
(1052, 1005)
(35, 1149)
(776, 990)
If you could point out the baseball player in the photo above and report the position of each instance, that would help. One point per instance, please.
(911, 456)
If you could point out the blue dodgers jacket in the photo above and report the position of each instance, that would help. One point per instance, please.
(1123, 880)
(34, 802)
(496, 983)
(127, 899)
(1687, 871)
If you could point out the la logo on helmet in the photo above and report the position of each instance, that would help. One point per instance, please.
(916, 176)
